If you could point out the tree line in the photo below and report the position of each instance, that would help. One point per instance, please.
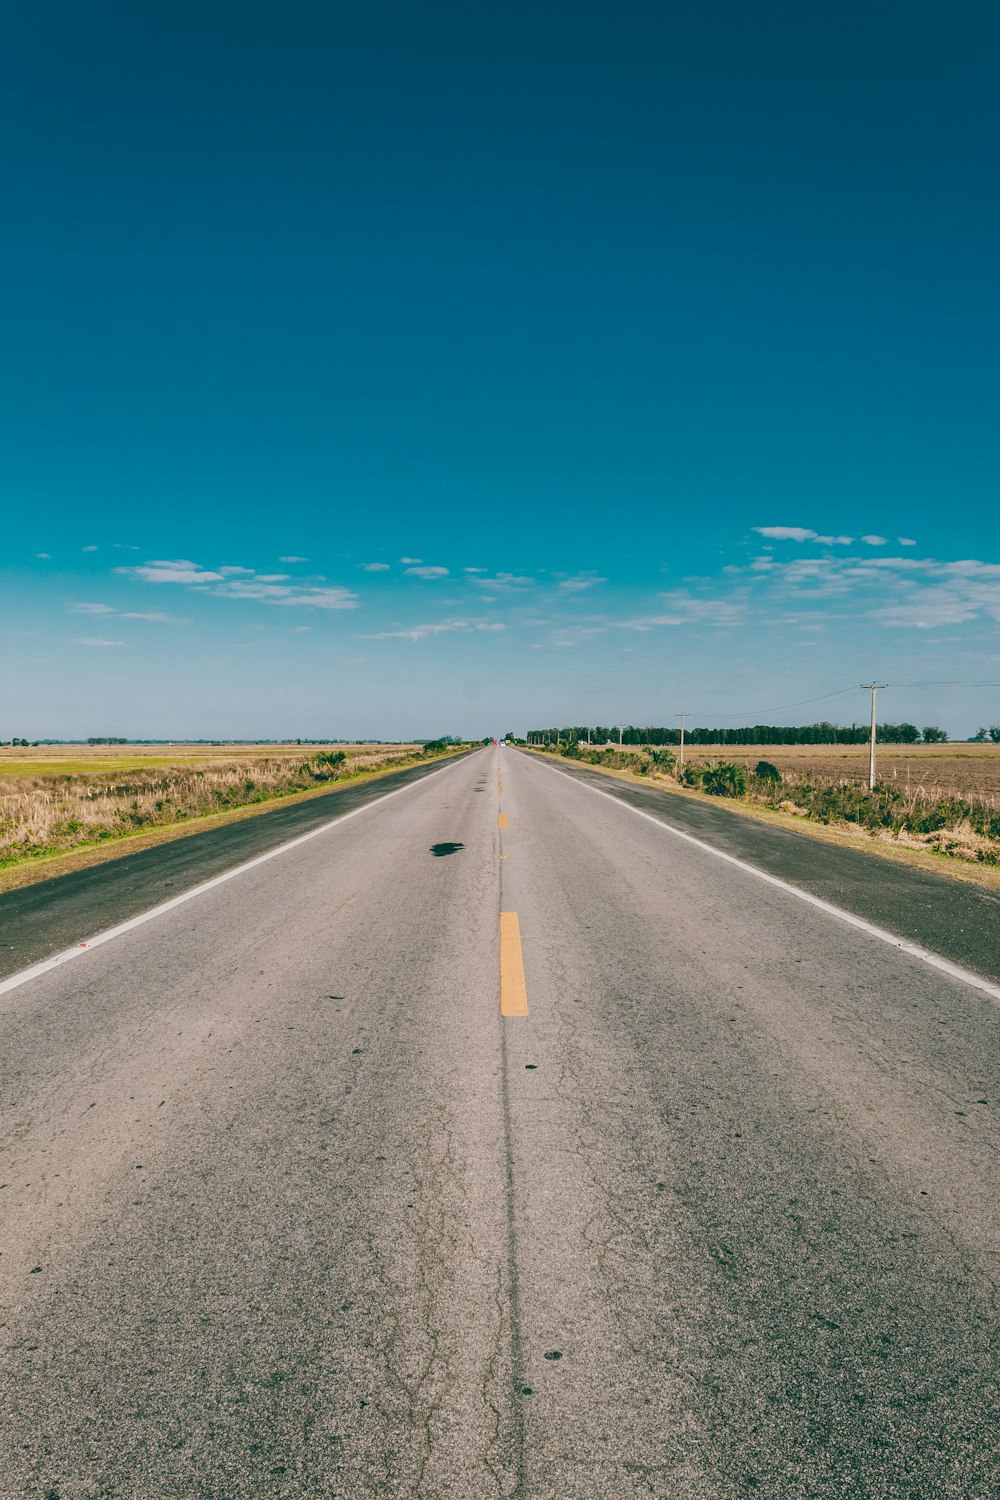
(823, 733)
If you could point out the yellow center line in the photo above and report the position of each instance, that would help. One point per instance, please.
(513, 990)
(502, 820)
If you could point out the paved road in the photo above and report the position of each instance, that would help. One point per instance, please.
(291, 1210)
(39, 920)
(959, 921)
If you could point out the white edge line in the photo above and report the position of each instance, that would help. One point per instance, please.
(79, 949)
(966, 976)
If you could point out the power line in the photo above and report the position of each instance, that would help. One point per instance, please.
(823, 698)
(840, 693)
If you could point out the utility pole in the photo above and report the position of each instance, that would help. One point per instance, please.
(620, 731)
(682, 717)
(873, 688)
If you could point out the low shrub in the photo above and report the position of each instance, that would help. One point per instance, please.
(765, 770)
(662, 757)
(723, 779)
(631, 760)
(636, 761)
(325, 764)
(947, 812)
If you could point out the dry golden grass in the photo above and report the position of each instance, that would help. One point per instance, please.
(60, 807)
(969, 771)
(71, 760)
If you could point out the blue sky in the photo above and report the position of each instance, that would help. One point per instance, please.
(392, 370)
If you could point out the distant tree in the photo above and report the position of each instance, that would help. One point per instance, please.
(995, 733)
(898, 734)
(981, 736)
(935, 736)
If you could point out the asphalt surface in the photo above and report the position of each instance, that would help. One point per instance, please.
(959, 921)
(41, 919)
(291, 1210)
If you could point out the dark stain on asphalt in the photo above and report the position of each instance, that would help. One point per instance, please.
(530, 1067)
(440, 850)
(554, 1354)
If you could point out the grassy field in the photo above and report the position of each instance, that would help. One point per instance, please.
(55, 800)
(76, 760)
(970, 771)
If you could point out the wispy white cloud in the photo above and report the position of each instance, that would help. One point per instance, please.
(44, 556)
(575, 635)
(801, 534)
(683, 607)
(94, 640)
(156, 616)
(413, 561)
(292, 595)
(507, 581)
(178, 571)
(92, 548)
(581, 581)
(906, 541)
(294, 560)
(921, 593)
(944, 604)
(875, 541)
(376, 567)
(230, 582)
(427, 572)
(435, 628)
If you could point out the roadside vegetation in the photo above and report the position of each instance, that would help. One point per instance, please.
(945, 819)
(59, 810)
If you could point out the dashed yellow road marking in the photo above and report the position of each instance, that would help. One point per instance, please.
(513, 990)
(502, 820)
